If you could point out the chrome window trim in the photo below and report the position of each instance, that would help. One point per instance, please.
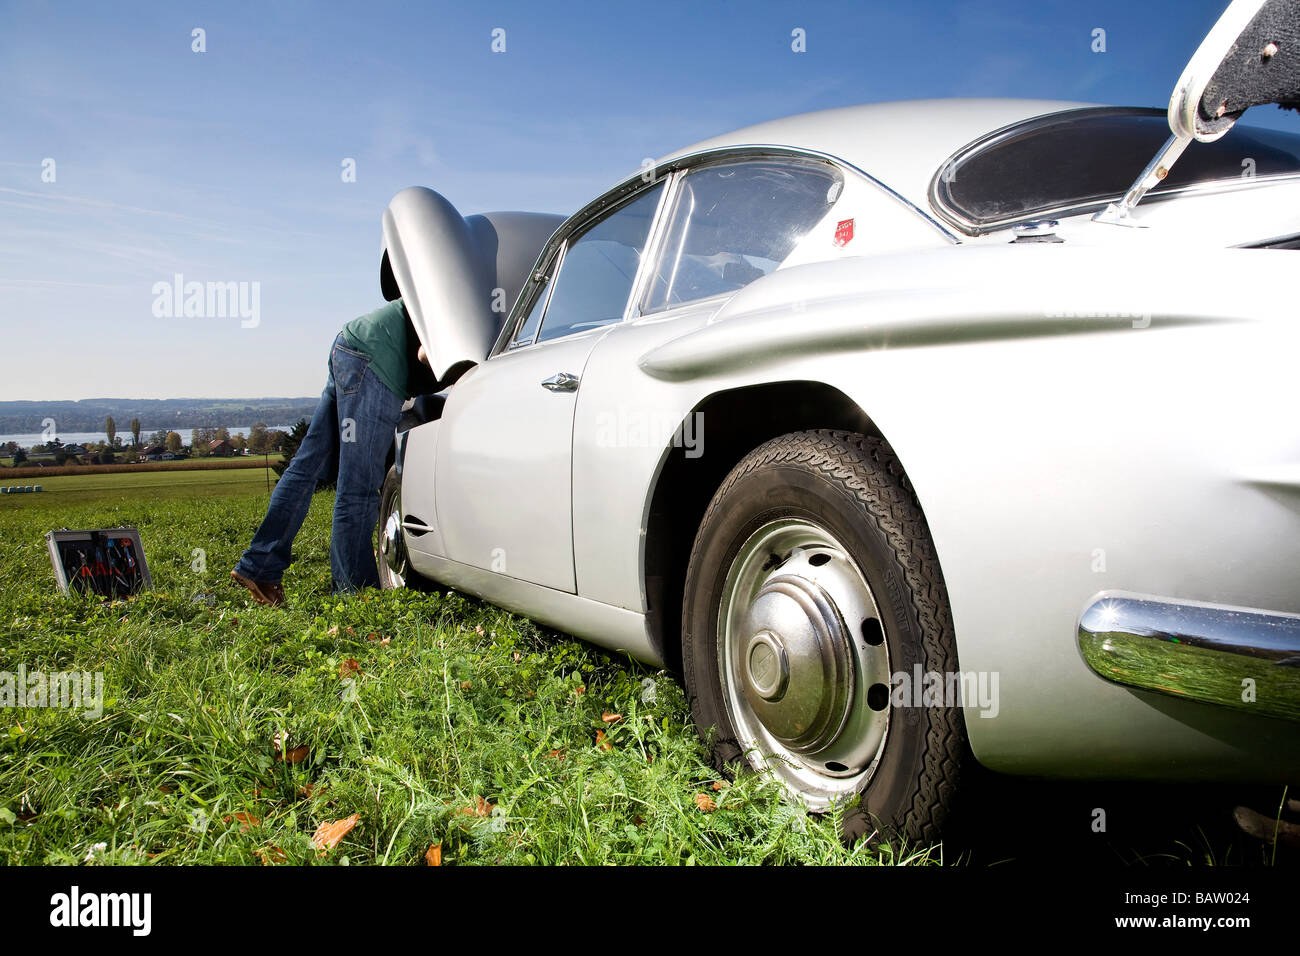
(549, 290)
(654, 242)
(972, 228)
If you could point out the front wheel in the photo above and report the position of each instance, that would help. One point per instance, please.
(813, 588)
(390, 552)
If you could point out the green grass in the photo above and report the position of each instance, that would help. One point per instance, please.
(455, 703)
(136, 491)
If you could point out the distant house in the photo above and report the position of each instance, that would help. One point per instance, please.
(220, 448)
(152, 452)
(75, 451)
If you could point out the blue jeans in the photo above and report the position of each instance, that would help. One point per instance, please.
(354, 421)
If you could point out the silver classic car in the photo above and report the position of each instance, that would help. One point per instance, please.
(907, 433)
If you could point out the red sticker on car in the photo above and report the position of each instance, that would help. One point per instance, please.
(844, 232)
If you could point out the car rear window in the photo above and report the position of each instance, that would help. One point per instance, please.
(1077, 160)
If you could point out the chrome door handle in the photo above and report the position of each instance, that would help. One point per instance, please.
(561, 382)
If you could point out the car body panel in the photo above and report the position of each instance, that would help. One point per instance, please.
(1110, 412)
(503, 478)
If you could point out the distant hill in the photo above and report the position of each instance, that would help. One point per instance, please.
(154, 413)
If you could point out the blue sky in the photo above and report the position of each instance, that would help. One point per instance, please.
(225, 165)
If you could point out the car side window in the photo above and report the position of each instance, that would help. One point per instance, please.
(598, 269)
(732, 223)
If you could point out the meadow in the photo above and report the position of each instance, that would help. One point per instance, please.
(230, 732)
(422, 727)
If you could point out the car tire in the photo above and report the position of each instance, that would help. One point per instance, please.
(812, 581)
(394, 564)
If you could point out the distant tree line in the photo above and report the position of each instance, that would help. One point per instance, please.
(260, 440)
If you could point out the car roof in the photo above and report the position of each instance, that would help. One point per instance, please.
(902, 144)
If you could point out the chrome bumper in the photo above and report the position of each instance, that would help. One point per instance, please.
(1238, 657)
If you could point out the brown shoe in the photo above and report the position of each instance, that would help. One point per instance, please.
(262, 591)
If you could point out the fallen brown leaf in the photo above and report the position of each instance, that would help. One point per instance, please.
(609, 718)
(294, 755)
(349, 668)
(245, 820)
(465, 685)
(271, 855)
(481, 808)
(705, 802)
(327, 835)
(580, 689)
(433, 855)
(601, 742)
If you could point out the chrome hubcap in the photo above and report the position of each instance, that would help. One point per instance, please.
(804, 672)
(392, 548)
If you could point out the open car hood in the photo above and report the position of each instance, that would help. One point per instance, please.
(457, 276)
(1250, 57)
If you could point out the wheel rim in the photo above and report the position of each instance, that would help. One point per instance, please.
(802, 661)
(392, 546)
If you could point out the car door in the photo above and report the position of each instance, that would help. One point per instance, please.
(503, 475)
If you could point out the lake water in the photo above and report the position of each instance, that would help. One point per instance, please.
(80, 438)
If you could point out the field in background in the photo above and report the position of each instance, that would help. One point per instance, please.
(137, 488)
(27, 474)
(231, 732)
